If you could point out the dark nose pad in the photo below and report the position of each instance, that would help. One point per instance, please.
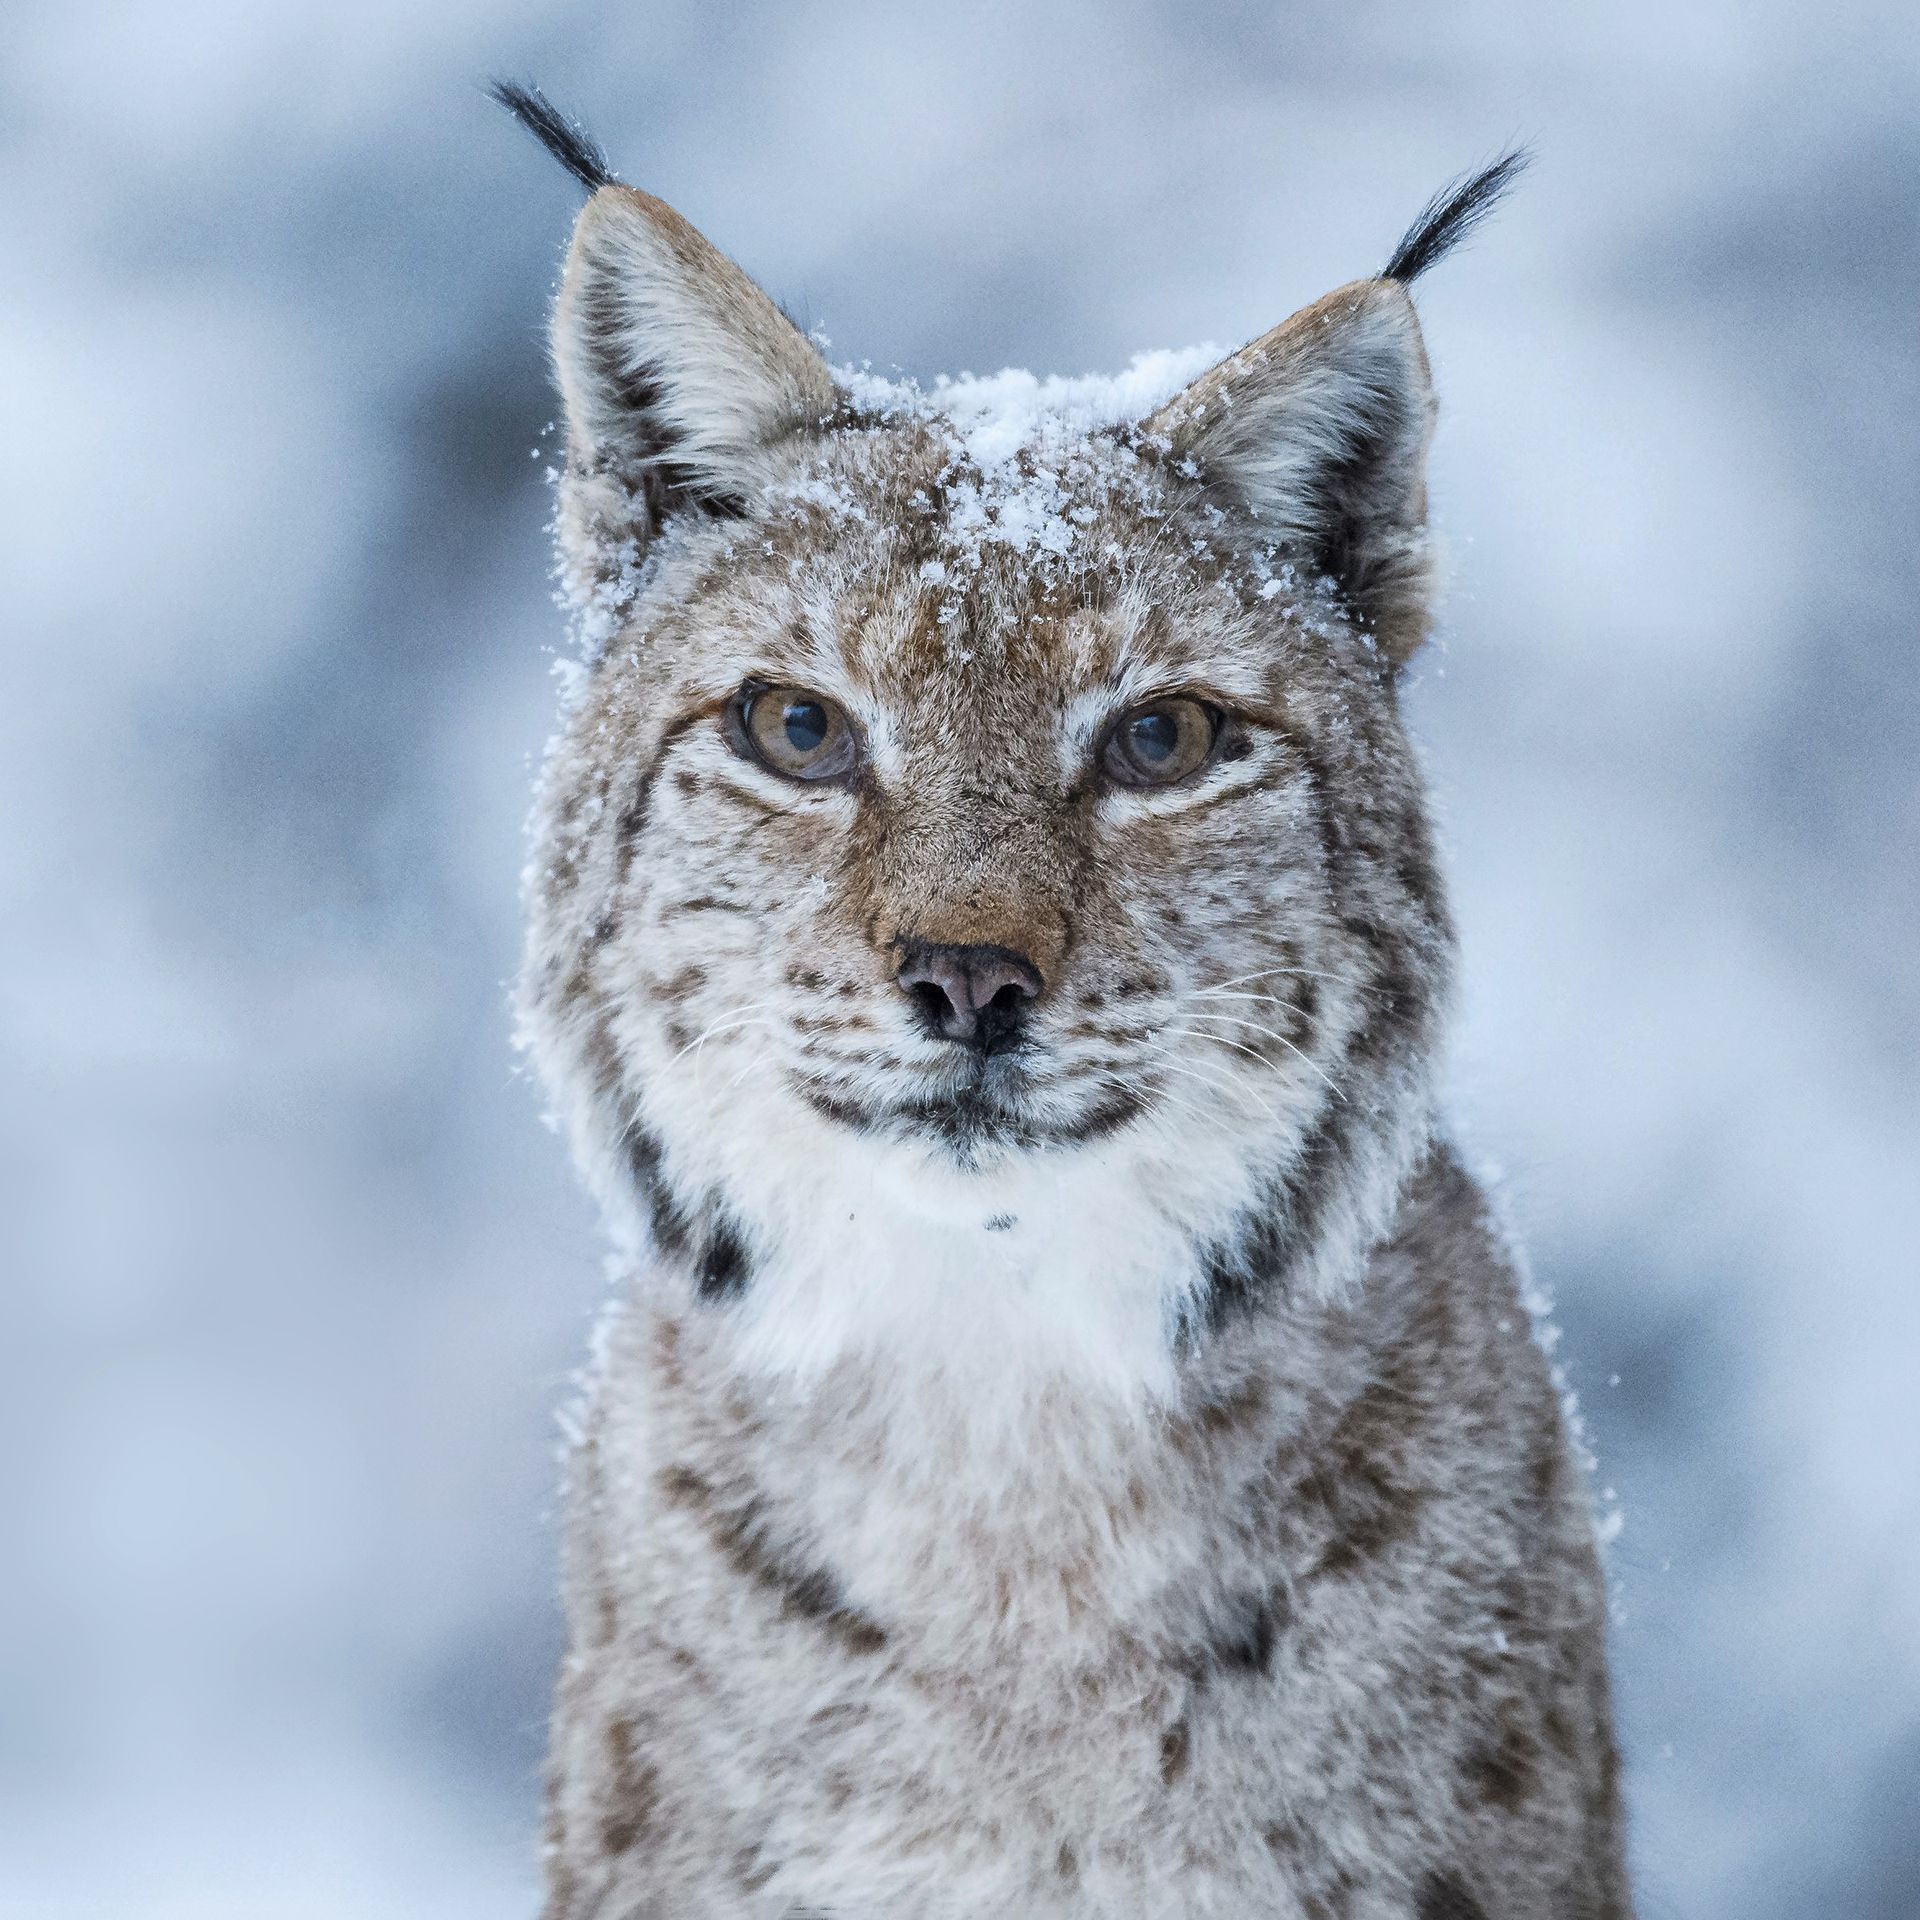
(975, 995)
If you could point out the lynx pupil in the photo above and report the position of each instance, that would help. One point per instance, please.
(805, 725)
(1155, 735)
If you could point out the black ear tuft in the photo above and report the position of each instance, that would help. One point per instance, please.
(1452, 214)
(556, 133)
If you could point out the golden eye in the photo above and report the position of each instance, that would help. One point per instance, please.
(1160, 743)
(795, 732)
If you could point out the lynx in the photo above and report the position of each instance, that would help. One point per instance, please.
(1068, 1440)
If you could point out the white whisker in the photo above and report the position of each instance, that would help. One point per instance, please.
(755, 1059)
(1151, 1096)
(1227, 993)
(1259, 973)
(747, 1016)
(1170, 1062)
(1254, 1026)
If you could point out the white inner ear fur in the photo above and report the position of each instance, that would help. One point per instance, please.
(666, 351)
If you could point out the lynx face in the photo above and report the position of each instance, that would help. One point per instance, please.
(1003, 811)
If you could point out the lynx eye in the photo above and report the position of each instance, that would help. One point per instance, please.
(794, 732)
(1160, 743)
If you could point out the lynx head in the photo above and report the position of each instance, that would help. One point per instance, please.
(983, 812)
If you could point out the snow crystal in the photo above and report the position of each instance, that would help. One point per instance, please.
(1023, 456)
(597, 605)
(996, 416)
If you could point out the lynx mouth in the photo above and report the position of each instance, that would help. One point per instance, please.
(976, 1119)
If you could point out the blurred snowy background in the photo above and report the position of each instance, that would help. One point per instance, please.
(292, 1276)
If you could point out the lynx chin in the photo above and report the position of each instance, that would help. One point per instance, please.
(1068, 1441)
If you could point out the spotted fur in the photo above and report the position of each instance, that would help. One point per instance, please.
(1108, 1476)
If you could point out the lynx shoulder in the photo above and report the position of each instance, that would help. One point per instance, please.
(1068, 1442)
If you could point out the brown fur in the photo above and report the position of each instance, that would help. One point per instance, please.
(1118, 1479)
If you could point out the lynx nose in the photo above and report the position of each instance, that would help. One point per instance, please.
(976, 995)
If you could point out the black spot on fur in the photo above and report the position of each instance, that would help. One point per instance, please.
(1442, 1897)
(1248, 1268)
(601, 1051)
(672, 1230)
(740, 1531)
(1097, 1122)
(721, 1265)
(701, 903)
(723, 1269)
(842, 1112)
(1400, 995)
(1304, 993)
(563, 1890)
(1247, 1646)
(1373, 1499)
(1332, 1900)
(635, 815)
(1376, 1518)
(752, 1869)
(633, 822)
(1452, 214)
(1413, 867)
(1234, 1412)
(1320, 790)
(560, 136)
(683, 986)
(1176, 1752)
(633, 1790)
(1543, 1475)
(1501, 1773)
(1227, 1289)
(1237, 1643)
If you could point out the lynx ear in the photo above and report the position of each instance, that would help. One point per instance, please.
(1319, 430)
(677, 371)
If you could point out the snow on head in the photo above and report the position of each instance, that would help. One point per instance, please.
(1026, 462)
(1026, 455)
(994, 416)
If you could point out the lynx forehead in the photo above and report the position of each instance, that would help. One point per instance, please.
(1069, 1443)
